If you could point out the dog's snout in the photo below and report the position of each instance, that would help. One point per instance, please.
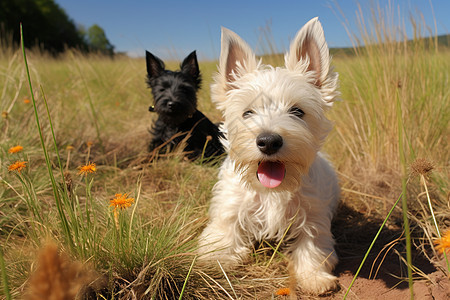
(269, 143)
(170, 104)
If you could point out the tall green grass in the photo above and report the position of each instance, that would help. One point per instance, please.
(396, 110)
(392, 78)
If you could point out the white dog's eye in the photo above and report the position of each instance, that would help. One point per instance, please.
(298, 112)
(247, 113)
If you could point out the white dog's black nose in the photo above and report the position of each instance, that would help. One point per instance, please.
(269, 143)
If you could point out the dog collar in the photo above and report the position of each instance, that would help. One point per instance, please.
(151, 108)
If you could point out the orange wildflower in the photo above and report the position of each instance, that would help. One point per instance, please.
(17, 166)
(283, 292)
(121, 201)
(89, 144)
(15, 149)
(26, 101)
(89, 168)
(443, 244)
(70, 147)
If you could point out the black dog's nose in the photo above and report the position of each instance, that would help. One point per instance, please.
(170, 104)
(269, 143)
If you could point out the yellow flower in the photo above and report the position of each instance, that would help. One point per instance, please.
(17, 166)
(443, 244)
(283, 292)
(89, 168)
(70, 147)
(15, 149)
(121, 201)
(4, 114)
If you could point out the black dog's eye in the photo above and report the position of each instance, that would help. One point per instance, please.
(297, 112)
(165, 84)
(247, 113)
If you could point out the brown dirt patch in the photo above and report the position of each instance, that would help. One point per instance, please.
(384, 272)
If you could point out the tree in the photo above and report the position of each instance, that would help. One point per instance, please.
(46, 25)
(98, 41)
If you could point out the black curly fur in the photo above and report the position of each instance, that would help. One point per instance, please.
(175, 102)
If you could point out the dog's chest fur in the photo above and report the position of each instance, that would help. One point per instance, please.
(268, 216)
(259, 215)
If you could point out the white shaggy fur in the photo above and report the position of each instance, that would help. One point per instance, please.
(255, 99)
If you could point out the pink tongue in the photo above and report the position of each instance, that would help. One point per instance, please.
(271, 173)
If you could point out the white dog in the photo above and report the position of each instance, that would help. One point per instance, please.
(274, 184)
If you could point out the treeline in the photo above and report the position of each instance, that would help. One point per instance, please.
(46, 25)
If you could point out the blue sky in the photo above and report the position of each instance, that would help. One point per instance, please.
(174, 28)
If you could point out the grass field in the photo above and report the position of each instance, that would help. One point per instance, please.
(395, 110)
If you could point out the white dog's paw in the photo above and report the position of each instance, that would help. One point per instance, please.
(226, 255)
(225, 258)
(318, 283)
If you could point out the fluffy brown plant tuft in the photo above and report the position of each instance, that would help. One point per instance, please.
(421, 166)
(57, 277)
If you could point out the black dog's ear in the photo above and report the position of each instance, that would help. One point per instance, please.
(189, 66)
(155, 66)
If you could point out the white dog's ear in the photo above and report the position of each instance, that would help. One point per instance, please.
(309, 52)
(236, 58)
(309, 46)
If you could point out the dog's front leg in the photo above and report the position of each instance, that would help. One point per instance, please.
(222, 240)
(313, 260)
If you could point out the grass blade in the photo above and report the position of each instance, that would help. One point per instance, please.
(4, 276)
(401, 151)
(187, 277)
(371, 245)
(65, 224)
(424, 182)
(228, 280)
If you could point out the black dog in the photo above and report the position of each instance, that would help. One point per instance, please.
(175, 102)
